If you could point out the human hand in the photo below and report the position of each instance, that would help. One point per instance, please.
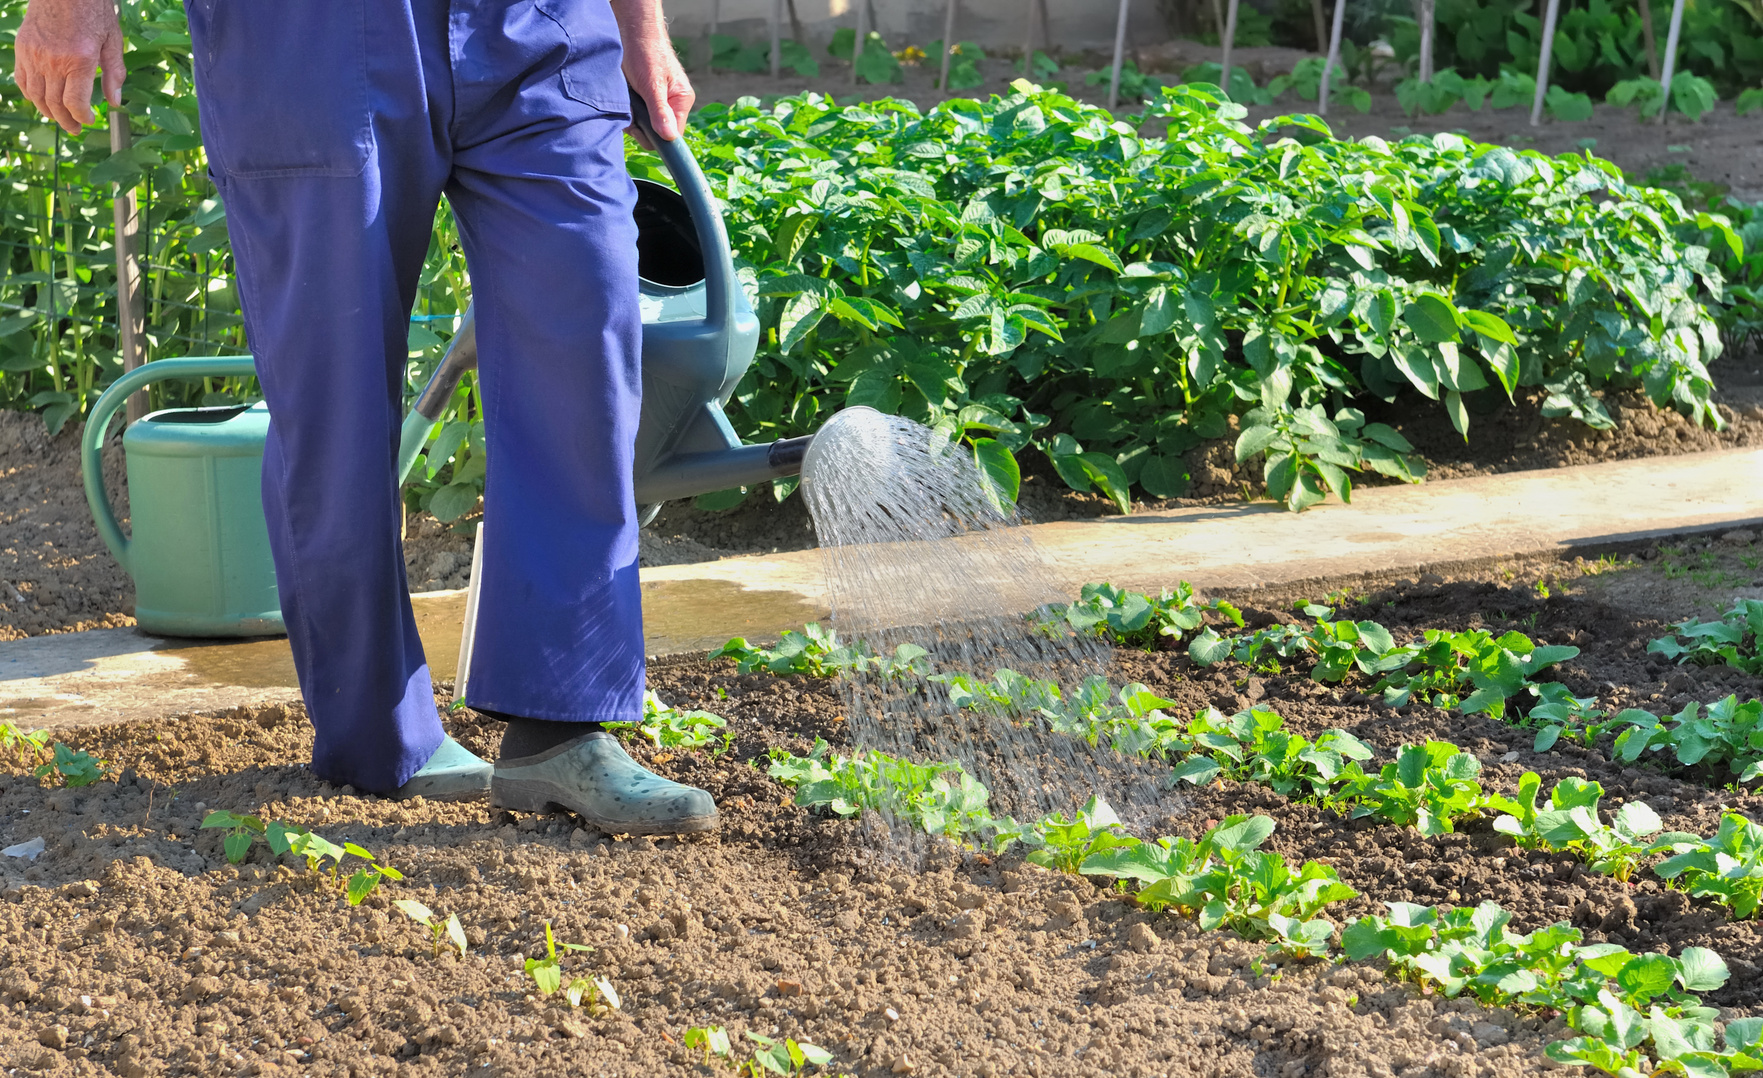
(652, 68)
(61, 44)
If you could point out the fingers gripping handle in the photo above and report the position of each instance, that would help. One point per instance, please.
(92, 439)
(719, 266)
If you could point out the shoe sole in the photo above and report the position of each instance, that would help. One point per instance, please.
(526, 796)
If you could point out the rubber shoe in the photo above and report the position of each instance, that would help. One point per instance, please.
(593, 777)
(453, 773)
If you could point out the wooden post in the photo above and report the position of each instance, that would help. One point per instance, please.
(1670, 62)
(1321, 21)
(1428, 9)
(1647, 37)
(131, 314)
(1550, 14)
(862, 34)
(796, 32)
(777, 18)
(1028, 42)
(948, 47)
(1119, 56)
(1230, 34)
(710, 37)
(1334, 56)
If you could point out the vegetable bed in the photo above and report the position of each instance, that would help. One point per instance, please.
(138, 949)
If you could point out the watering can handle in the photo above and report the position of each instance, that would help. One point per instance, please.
(92, 439)
(719, 266)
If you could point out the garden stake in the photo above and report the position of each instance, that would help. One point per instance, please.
(1230, 33)
(1647, 36)
(862, 34)
(131, 305)
(1549, 16)
(948, 46)
(777, 18)
(1120, 54)
(1321, 21)
(710, 35)
(1670, 57)
(1334, 56)
(1028, 42)
(1428, 11)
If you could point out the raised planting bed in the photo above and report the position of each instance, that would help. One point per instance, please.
(138, 949)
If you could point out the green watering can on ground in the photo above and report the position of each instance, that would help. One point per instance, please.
(200, 550)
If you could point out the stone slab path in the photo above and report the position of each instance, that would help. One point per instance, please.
(112, 675)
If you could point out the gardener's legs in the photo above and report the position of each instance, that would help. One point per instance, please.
(317, 122)
(544, 206)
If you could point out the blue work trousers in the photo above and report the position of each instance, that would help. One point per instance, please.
(333, 127)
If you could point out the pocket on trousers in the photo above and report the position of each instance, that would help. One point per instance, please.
(592, 72)
(285, 85)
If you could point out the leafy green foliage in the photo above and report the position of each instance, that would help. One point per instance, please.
(940, 799)
(1135, 619)
(1437, 669)
(1427, 787)
(784, 1056)
(1597, 45)
(964, 58)
(1733, 640)
(1227, 881)
(1621, 1003)
(1571, 823)
(1727, 731)
(244, 831)
(1064, 276)
(28, 747)
(671, 728)
(596, 994)
(1305, 80)
(1067, 844)
(1252, 746)
(67, 766)
(1727, 868)
(817, 652)
(449, 930)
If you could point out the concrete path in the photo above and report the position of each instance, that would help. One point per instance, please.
(114, 674)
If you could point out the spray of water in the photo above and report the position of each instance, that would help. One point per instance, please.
(919, 550)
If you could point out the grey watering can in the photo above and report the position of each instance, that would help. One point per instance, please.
(699, 337)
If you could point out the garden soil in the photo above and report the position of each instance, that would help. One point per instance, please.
(136, 950)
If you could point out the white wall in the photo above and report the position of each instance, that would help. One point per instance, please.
(994, 24)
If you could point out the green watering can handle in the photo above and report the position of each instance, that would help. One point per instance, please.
(92, 441)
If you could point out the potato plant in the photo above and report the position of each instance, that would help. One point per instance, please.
(1078, 284)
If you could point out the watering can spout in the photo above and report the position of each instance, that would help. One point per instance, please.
(699, 339)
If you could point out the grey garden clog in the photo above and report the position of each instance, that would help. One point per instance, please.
(593, 777)
(453, 773)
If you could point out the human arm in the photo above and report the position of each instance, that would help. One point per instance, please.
(650, 65)
(61, 44)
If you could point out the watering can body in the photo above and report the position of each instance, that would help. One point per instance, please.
(699, 337)
(199, 550)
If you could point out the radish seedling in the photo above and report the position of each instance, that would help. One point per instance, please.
(670, 728)
(597, 995)
(1727, 732)
(450, 929)
(1134, 619)
(1571, 823)
(1727, 868)
(1733, 640)
(1065, 844)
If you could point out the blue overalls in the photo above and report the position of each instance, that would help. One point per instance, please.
(332, 128)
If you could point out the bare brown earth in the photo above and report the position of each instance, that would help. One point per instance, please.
(134, 949)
